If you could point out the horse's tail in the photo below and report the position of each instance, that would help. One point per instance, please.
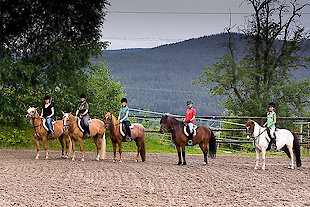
(142, 149)
(102, 151)
(212, 145)
(296, 148)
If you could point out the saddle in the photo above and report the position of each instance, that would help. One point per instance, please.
(45, 125)
(186, 130)
(122, 129)
(79, 122)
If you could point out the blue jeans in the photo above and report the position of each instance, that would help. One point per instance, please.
(49, 124)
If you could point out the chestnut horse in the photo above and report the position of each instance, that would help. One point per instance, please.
(97, 131)
(40, 133)
(204, 136)
(137, 134)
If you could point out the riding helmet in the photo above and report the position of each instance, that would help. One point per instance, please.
(124, 100)
(190, 102)
(271, 104)
(47, 98)
(82, 95)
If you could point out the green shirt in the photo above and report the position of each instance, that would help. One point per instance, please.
(270, 119)
(82, 107)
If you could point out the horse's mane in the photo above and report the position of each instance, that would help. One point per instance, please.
(165, 119)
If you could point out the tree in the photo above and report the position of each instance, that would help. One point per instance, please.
(276, 40)
(104, 91)
(44, 49)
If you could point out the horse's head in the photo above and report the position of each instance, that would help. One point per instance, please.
(31, 113)
(164, 124)
(107, 118)
(249, 128)
(67, 120)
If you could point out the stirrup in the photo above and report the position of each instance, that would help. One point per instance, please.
(190, 142)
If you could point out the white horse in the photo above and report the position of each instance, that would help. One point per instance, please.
(285, 140)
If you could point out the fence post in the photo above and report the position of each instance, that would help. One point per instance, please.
(300, 131)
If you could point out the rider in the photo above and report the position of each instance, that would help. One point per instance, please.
(123, 117)
(271, 125)
(48, 113)
(190, 116)
(82, 111)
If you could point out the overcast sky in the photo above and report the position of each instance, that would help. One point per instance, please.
(172, 20)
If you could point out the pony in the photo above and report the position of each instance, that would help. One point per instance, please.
(285, 139)
(204, 137)
(97, 131)
(40, 133)
(137, 134)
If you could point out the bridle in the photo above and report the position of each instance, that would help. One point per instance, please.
(169, 129)
(67, 126)
(255, 138)
(32, 116)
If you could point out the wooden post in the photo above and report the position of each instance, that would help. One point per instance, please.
(308, 145)
(300, 131)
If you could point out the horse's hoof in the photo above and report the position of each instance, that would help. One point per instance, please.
(120, 161)
(97, 158)
(36, 158)
(179, 163)
(66, 157)
(263, 168)
(291, 167)
(184, 163)
(73, 158)
(114, 161)
(205, 163)
(82, 160)
(63, 156)
(136, 160)
(46, 157)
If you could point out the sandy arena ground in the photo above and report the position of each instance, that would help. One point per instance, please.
(229, 180)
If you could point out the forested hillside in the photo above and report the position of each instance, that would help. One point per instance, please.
(160, 78)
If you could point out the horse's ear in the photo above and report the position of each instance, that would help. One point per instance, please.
(63, 113)
(253, 123)
(36, 108)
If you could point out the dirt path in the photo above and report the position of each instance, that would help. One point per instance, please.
(225, 181)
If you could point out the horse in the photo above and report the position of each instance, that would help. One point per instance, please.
(137, 134)
(40, 133)
(285, 139)
(97, 131)
(204, 137)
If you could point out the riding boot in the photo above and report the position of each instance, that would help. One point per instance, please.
(87, 131)
(273, 144)
(128, 139)
(190, 139)
(52, 135)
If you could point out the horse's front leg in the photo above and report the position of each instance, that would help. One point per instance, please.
(38, 148)
(257, 159)
(73, 149)
(179, 154)
(120, 150)
(81, 148)
(264, 158)
(183, 154)
(114, 151)
(45, 147)
(138, 143)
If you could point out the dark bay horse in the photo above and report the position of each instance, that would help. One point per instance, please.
(137, 134)
(204, 136)
(97, 131)
(40, 133)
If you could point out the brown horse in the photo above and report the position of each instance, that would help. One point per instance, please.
(97, 131)
(137, 134)
(40, 133)
(204, 136)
